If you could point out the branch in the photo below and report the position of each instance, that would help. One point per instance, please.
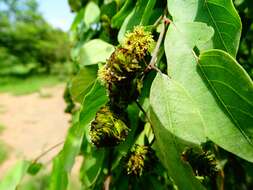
(151, 65)
(144, 112)
(47, 151)
(107, 182)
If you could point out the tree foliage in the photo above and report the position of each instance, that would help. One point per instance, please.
(27, 42)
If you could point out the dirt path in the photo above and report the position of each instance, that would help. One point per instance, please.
(32, 124)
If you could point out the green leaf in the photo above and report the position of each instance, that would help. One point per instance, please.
(34, 168)
(119, 18)
(77, 20)
(59, 176)
(12, 179)
(75, 5)
(91, 13)
(95, 99)
(146, 15)
(182, 67)
(92, 166)
(174, 115)
(176, 110)
(219, 14)
(95, 51)
(233, 88)
(81, 83)
(140, 15)
(64, 161)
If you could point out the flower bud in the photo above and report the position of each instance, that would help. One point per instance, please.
(107, 129)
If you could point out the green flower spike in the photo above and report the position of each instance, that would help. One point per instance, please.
(139, 42)
(127, 60)
(138, 160)
(107, 129)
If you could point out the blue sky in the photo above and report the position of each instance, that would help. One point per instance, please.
(57, 13)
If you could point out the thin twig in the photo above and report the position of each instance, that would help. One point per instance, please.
(47, 151)
(195, 56)
(151, 65)
(157, 22)
(107, 182)
(144, 112)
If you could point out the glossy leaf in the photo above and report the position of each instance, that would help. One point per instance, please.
(13, 178)
(220, 14)
(174, 117)
(232, 86)
(95, 51)
(82, 82)
(182, 67)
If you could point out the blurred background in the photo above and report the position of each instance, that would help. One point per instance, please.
(35, 64)
(34, 67)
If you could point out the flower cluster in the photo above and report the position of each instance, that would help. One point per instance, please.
(122, 72)
(122, 76)
(107, 129)
(202, 162)
(138, 160)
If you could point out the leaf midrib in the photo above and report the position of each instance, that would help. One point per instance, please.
(224, 105)
(217, 28)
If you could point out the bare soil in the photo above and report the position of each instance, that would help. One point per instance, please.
(33, 123)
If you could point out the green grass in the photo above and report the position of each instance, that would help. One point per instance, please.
(3, 147)
(18, 86)
(41, 181)
(1, 128)
(3, 152)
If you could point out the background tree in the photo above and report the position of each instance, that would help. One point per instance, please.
(27, 41)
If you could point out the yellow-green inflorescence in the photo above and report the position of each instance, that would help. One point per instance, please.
(128, 58)
(122, 76)
(107, 129)
(138, 160)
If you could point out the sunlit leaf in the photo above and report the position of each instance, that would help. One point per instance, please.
(175, 119)
(95, 51)
(91, 13)
(220, 14)
(182, 67)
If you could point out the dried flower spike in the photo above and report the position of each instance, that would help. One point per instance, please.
(202, 162)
